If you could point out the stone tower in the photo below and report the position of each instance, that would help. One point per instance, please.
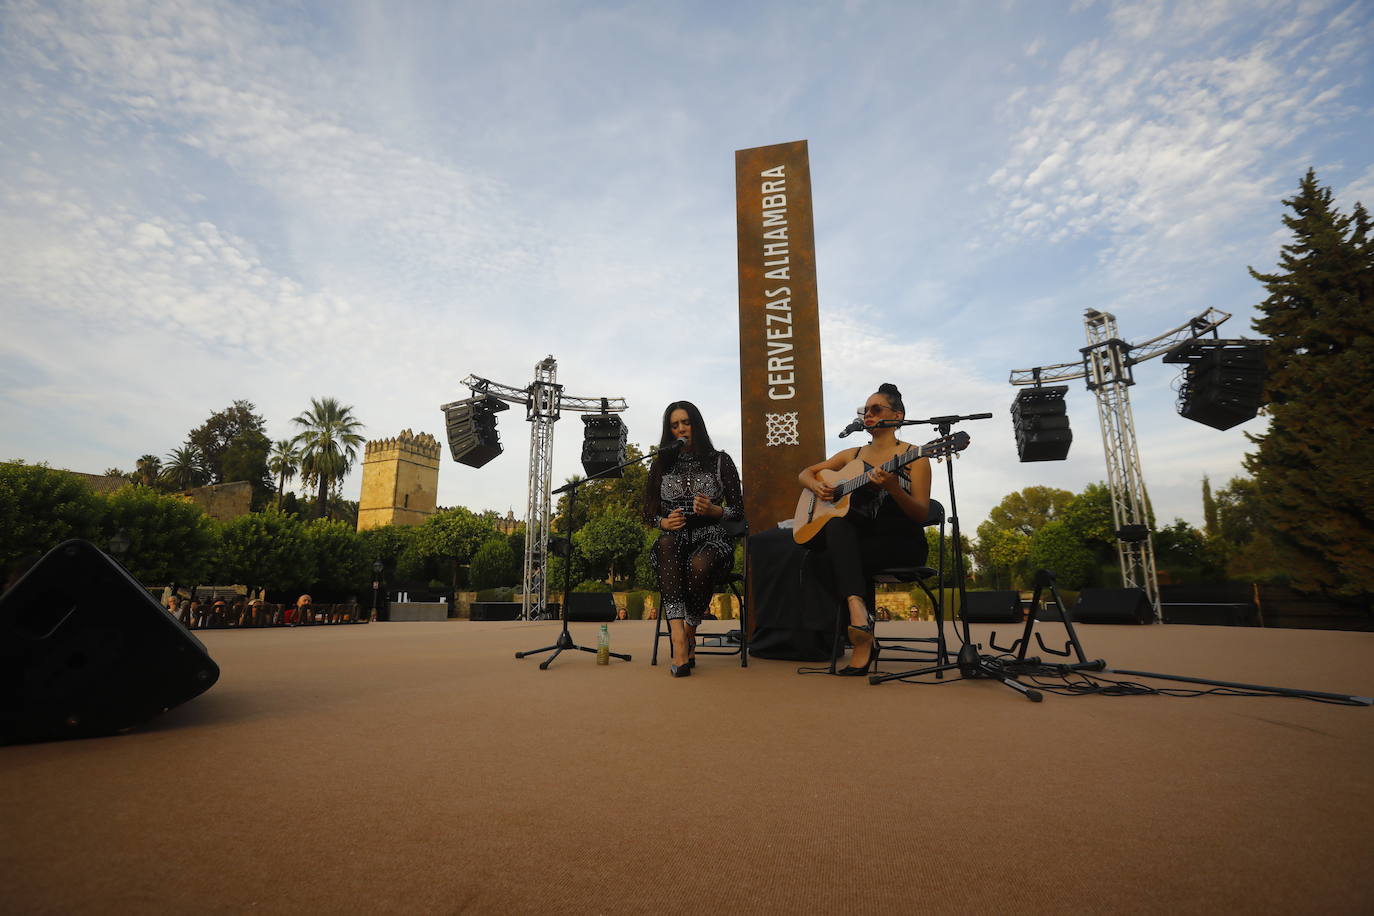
(400, 481)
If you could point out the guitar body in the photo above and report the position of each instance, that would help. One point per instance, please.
(813, 512)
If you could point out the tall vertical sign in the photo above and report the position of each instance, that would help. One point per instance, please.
(781, 411)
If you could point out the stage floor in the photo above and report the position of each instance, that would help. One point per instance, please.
(419, 767)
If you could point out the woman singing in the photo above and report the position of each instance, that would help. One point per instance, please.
(883, 525)
(692, 490)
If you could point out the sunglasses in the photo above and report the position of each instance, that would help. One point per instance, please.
(873, 409)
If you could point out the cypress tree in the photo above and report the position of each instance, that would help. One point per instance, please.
(1314, 467)
(1209, 509)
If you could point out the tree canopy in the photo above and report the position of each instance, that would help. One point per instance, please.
(452, 537)
(41, 507)
(214, 437)
(170, 539)
(1314, 466)
(263, 550)
(1027, 510)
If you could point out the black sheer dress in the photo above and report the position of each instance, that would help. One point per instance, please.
(874, 534)
(691, 561)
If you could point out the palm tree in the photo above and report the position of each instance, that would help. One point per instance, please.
(283, 463)
(147, 470)
(185, 467)
(329, 442)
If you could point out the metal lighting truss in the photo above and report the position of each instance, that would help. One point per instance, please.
(544, 401)
(1106, 364)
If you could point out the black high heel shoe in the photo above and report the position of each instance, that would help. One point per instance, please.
(850, 670)
(681, 670)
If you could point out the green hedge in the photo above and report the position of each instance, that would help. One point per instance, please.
(592, 585)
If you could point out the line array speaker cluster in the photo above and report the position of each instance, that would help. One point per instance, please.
(603, 444)
(1042, 424)
(472, 436)
(1222, 382)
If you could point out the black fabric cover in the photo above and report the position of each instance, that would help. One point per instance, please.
(791, 601)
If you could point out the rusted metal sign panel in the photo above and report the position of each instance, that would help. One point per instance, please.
(781, 409)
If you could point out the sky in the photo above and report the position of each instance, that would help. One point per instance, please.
(206, 201)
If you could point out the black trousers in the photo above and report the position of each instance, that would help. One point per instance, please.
(854, 547)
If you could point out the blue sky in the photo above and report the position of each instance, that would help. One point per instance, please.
(207, 201)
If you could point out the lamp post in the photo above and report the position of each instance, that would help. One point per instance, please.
(119, 545)
(376, 582)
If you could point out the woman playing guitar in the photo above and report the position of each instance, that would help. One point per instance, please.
(883, 524)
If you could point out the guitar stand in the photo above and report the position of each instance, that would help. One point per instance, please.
(973, 665)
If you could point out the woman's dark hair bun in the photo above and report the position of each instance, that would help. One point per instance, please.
(894, 397)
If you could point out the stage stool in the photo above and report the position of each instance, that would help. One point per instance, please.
(738, 586)
(921, 575)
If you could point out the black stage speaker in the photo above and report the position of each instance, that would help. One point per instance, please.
(85, 650)
(591, 607)
(494, 610)
(1223, 380)
(993, 607)
(603, 445)
(1113, 605)
(471, 424)
(1041, 423)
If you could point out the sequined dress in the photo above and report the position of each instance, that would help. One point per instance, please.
(691, 561)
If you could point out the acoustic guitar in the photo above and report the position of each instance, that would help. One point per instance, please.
(813, 512)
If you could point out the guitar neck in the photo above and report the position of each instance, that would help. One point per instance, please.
(895, 463)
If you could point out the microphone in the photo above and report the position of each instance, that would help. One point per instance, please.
(674, 446)
(854, 426)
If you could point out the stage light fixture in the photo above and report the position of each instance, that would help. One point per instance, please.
(1222, 381)
(603, 444)
(471, 423)
(1042, 425)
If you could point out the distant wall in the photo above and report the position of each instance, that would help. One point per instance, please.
(223, 501)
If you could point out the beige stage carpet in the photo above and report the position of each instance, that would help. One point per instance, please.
(420, 768)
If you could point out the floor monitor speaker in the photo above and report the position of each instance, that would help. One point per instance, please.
(993, 607)
(85, 650)
(494, 610)
(591, 607)
(1113, 605)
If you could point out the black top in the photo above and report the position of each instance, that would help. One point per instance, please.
(875, 504)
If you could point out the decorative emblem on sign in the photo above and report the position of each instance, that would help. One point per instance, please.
(782, 428)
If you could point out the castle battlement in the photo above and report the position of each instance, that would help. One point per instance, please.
(424, 445)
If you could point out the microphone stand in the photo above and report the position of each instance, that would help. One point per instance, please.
(565, 638)
(970, 663)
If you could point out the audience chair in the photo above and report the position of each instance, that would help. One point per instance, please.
(922, 576)
(738, 586)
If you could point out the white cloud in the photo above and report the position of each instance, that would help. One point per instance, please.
(1149, 146)
(369, 201)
